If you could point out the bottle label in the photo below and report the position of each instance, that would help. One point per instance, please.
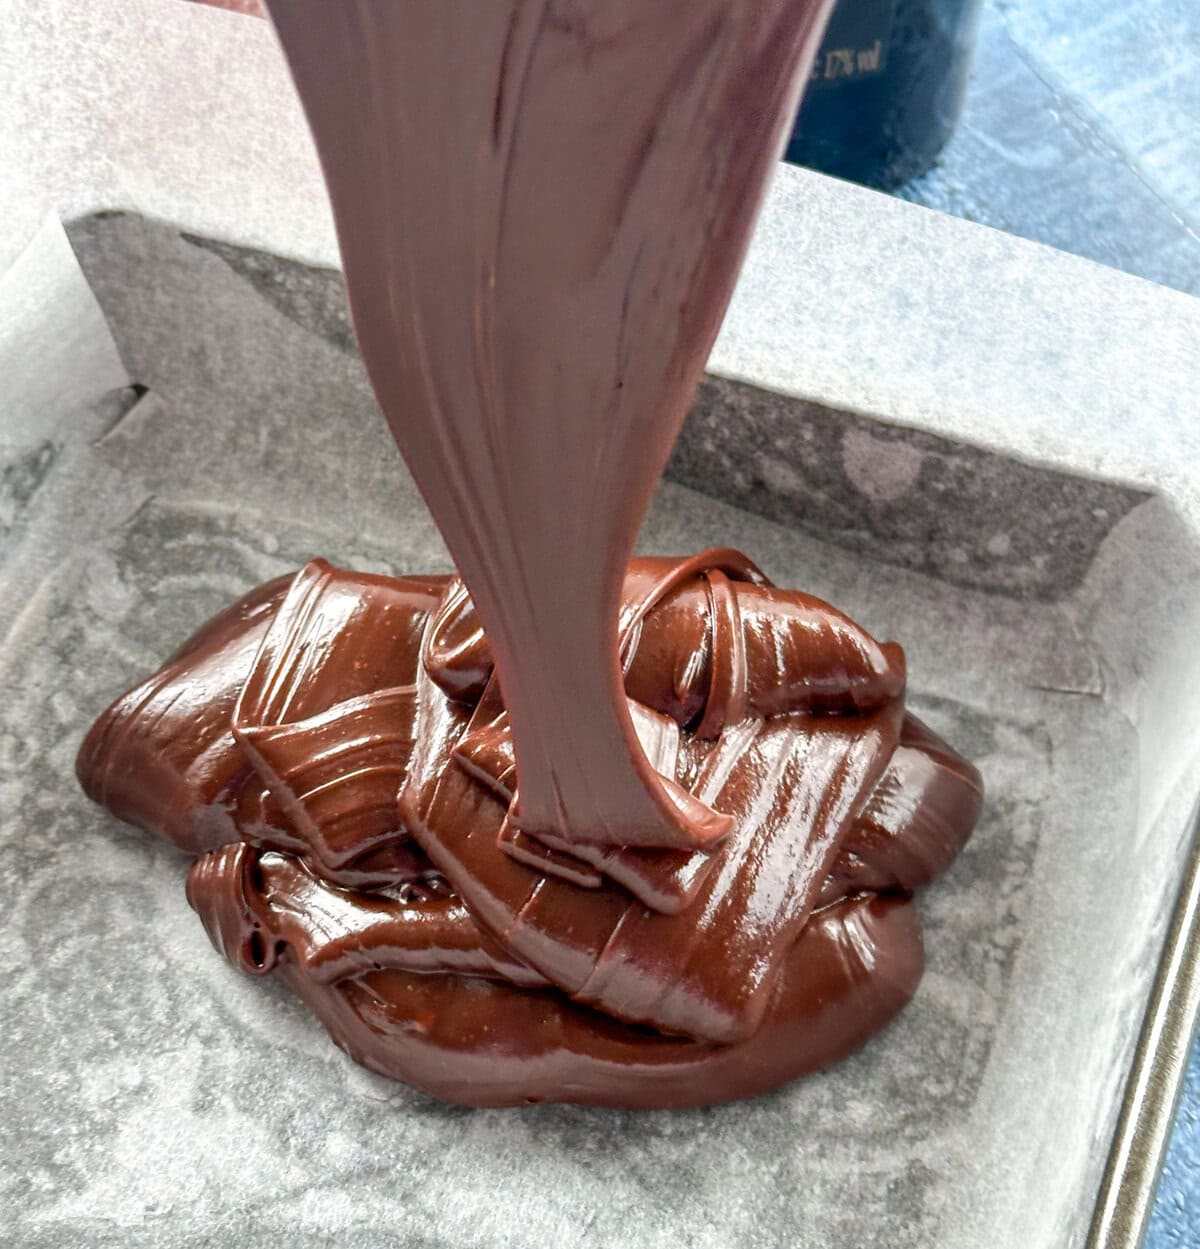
(856, 43)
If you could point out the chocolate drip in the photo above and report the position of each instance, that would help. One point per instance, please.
(542, 207)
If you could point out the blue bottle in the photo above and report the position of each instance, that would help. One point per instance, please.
(887, 89)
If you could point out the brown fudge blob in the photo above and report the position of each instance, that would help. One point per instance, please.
(436, 952)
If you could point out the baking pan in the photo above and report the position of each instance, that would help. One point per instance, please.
(224, 434)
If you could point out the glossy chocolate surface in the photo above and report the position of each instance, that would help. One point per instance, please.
(440, 945)
(572, 827)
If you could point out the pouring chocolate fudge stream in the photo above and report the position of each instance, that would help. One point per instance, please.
(567, 826)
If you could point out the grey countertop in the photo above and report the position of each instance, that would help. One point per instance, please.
(1082, 130)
